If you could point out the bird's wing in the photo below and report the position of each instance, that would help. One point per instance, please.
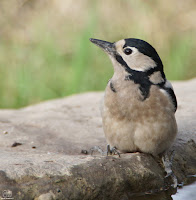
(169, 90)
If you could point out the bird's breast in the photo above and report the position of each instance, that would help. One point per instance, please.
(121, 100)
(125, 101)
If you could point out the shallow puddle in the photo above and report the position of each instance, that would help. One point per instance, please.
(187, 192)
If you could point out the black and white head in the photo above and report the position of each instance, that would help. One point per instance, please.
(140, 62)
(134, 55)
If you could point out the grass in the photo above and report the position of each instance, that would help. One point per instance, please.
(178, 58)
(48, 55)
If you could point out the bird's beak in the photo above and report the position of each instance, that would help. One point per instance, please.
(108, 47)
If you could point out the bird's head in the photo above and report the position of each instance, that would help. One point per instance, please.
(134, 55)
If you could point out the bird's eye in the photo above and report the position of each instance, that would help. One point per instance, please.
(128, 51)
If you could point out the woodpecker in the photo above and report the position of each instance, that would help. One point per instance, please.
(138, 111)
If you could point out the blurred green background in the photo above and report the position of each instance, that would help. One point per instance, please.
(45, 51)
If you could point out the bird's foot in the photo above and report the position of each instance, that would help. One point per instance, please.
(112, 151)
(168, 168)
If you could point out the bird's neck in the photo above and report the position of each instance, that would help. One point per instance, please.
(153, 76)
(142, 80)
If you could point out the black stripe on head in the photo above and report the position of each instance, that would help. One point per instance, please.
(123, 63)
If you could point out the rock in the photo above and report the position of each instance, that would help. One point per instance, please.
(47, 196)
(41, 145)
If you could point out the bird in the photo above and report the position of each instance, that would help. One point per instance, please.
(139, 105)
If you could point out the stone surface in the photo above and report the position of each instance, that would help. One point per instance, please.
(41, 145)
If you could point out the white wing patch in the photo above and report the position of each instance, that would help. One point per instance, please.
(168, 85)
(164, 92)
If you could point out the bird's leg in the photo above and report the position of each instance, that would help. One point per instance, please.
(168, 163)
(112, 151)
(168, 168)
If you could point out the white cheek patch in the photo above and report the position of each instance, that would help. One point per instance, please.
(137, 60)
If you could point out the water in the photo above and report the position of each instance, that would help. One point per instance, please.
(187, 192)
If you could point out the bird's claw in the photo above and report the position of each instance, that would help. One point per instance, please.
(112, 151)
(168, 168)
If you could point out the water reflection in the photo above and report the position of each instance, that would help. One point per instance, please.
(185, 193)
